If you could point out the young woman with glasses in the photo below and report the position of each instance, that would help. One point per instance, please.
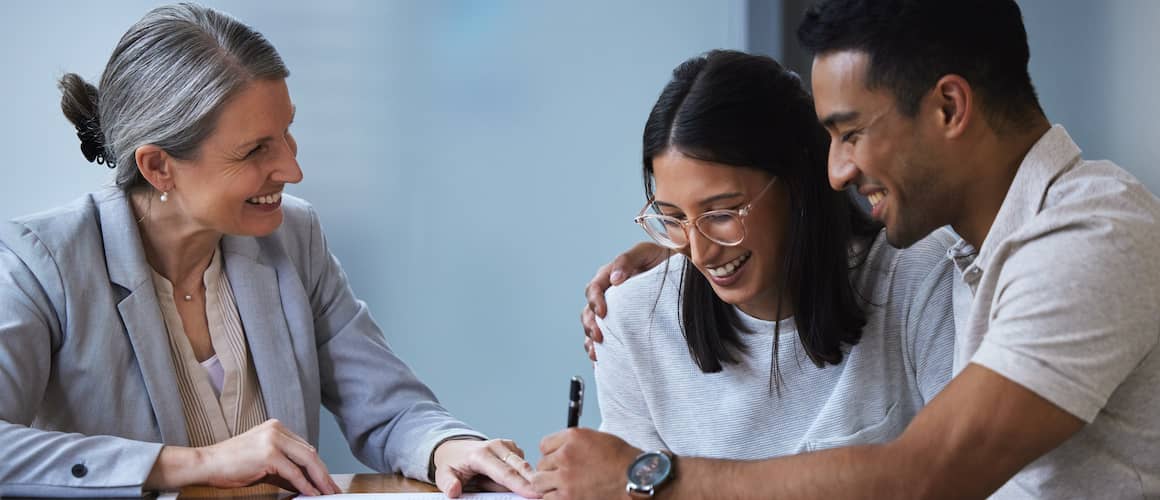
(783, 322)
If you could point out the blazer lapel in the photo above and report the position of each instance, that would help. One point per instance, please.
(141, 315)
(257, 292)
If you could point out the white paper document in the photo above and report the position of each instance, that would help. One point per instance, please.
(419, 496)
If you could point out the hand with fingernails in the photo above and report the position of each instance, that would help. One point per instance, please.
(495, 465)
(582, 464)
(640, 258)
(268, 453)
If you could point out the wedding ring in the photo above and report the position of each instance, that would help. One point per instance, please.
(509, 455)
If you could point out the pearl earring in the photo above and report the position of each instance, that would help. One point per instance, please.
(164, 196)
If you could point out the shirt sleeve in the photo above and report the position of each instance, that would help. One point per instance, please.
(1074, 310)
(623, 409)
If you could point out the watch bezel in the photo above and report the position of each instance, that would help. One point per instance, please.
(647, 490)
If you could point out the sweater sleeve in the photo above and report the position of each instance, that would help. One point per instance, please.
(623, 409)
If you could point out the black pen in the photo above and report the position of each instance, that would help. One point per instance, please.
(575, 401)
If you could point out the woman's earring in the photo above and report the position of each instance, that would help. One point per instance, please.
(164, 196)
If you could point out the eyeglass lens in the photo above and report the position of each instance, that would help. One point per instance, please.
(724, 228)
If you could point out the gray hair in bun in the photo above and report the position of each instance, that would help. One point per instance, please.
(165, 85)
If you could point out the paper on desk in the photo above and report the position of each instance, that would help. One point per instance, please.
(419, 496)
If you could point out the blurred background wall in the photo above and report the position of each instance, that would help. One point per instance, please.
(474, 162)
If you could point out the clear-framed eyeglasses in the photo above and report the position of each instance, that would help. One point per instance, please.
(724, 227)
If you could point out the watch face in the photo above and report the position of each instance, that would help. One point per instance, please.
(649, 470)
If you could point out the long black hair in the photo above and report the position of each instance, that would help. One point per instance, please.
(748, 111)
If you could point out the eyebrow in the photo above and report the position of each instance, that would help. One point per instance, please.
(840, 117)
(706, 201)
(248, 144)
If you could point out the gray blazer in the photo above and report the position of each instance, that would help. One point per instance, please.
(87, 385)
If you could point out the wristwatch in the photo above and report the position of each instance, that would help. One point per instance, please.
(649, 472)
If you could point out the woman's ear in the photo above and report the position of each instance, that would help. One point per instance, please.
(155, 165)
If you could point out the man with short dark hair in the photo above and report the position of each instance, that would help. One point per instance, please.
(934, 119)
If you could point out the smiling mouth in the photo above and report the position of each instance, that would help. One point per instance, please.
(265, 199)
(730, 267)
(875, 198)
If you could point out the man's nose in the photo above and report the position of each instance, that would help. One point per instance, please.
(841, 169)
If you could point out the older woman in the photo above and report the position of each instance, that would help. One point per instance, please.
(185, 327)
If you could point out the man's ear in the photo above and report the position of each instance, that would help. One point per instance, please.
(153, 163)
(954, 105)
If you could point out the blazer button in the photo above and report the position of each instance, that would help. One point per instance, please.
(79, 470)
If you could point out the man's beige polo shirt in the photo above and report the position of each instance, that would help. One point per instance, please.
(1066, 302)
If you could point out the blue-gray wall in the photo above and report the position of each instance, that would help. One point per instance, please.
(474, 162)
(1096, 65)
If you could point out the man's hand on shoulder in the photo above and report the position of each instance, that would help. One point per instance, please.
(638, 259)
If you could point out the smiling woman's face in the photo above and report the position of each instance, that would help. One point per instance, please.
(687, 187)
(233, 183)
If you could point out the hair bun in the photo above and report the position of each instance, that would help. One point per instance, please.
(79, 103)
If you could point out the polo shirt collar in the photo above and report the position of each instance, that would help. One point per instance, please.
(1052, 154)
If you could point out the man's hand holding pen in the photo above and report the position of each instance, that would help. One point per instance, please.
(579, 462)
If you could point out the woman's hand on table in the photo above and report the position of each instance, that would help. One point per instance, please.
(495, 465)
(267, 453)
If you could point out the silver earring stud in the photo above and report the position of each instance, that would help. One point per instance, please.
(164, 196)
